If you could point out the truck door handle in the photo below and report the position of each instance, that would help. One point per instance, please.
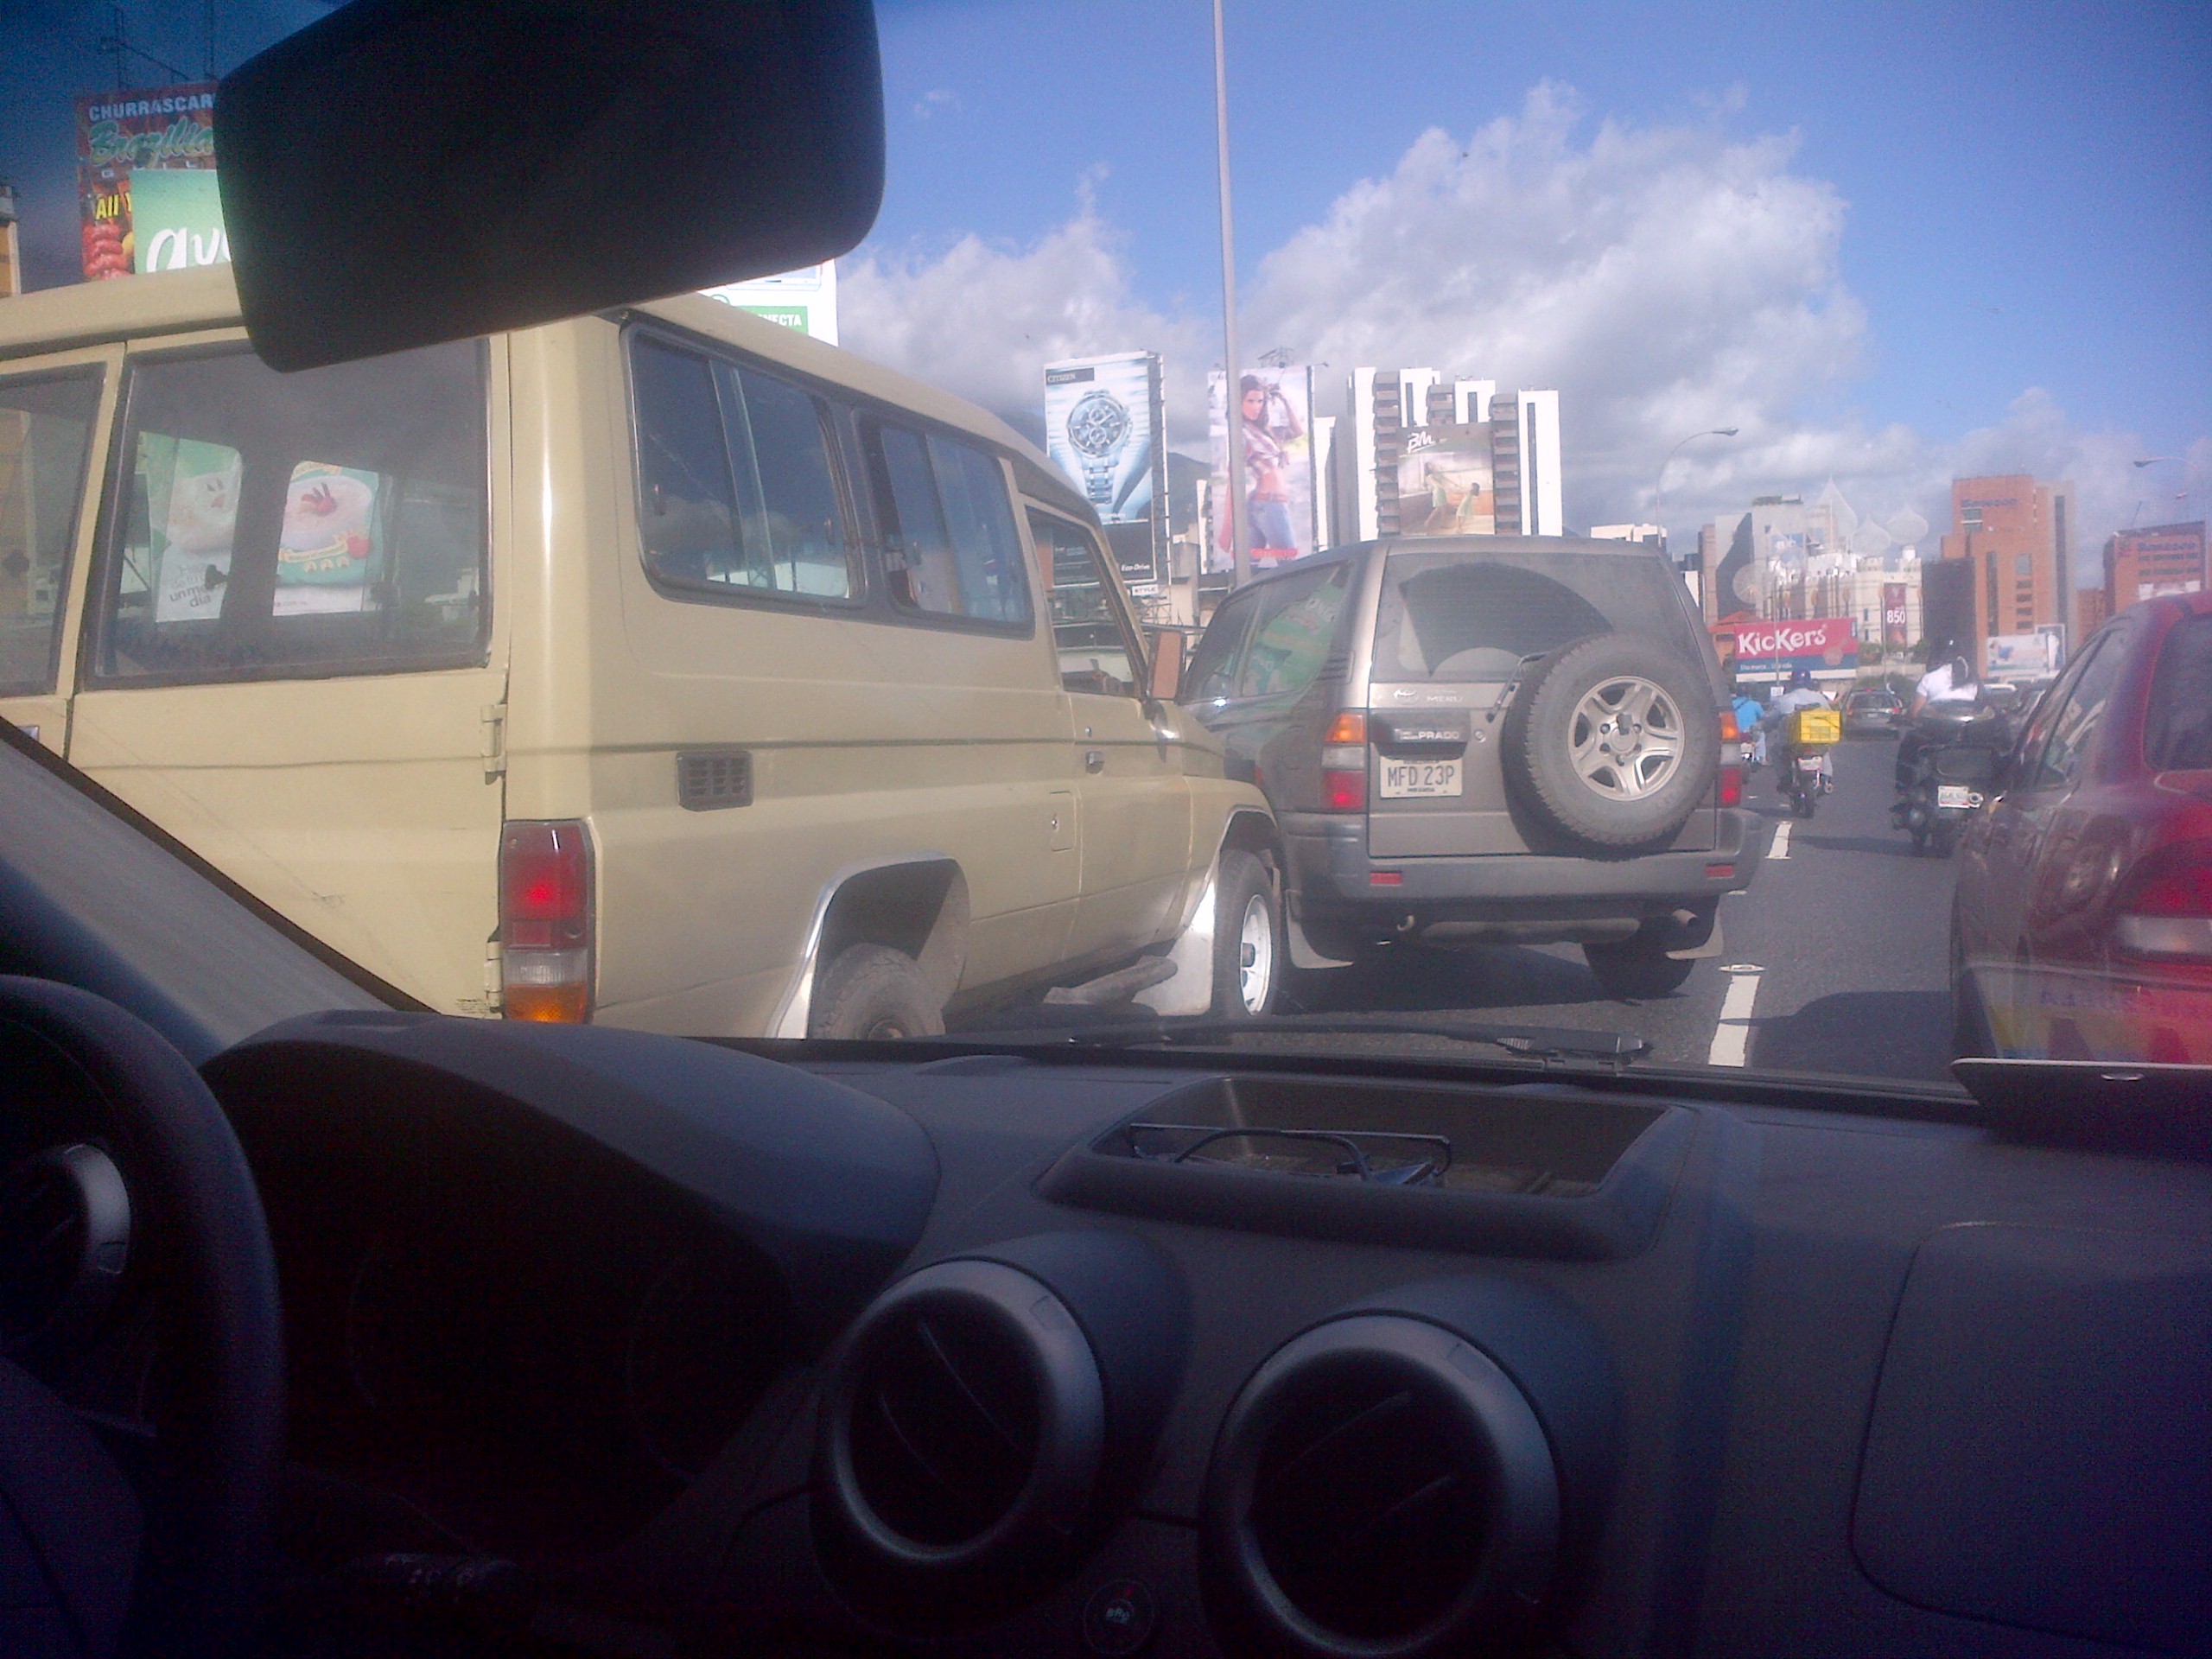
(1094, 760)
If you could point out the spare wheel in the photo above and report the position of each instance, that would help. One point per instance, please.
(1614, 741)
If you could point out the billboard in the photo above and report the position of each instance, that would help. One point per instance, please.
(2020, 656)
(805, 299)
(1276, 421)
(1895, 615)
(127, 136)
(1104, 421)
(1447, 483)
(1822, 644)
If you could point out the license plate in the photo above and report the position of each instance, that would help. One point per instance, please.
(1419, 780)
(1955, 795)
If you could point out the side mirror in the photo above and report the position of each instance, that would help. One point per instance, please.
(404, 172)
(1168, 645)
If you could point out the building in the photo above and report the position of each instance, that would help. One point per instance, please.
(1511, 438)
(2016, 532)
(1788, 559)
(1649, 534)
(2094, 609)
(2140, 564)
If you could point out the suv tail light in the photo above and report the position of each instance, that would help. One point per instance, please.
(1343, 763)
(1732, 758)
(2166, 908)
(545, 922)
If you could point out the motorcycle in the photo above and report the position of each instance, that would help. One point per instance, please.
(1804, 780)
(1952, 772)
(1804, 763)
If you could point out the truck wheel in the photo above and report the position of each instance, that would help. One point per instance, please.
(1633, 970)
(1614, 741)
(1248, 948)
(873, 992)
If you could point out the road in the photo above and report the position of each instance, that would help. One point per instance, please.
(1834, 959)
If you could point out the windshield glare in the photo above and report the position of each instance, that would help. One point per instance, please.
(1684, 529)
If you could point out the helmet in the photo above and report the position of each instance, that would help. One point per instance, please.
(1801, 679)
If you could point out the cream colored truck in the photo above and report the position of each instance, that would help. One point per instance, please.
(666, 669)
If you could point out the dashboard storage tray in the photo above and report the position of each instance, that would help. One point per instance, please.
(1536, 1170)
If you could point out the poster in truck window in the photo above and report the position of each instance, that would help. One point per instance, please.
(327, 552)
(121, 138)
(190, 492)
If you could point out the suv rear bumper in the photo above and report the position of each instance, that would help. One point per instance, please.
(1331, 880)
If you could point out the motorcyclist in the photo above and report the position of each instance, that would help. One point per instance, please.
(1749, 712)
(1948, 687)
(1801, 694)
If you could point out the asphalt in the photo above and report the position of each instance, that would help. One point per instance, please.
(1834, 960)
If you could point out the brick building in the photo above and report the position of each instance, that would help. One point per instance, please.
(2095, 609)
(2163, 559)
(2017, 531)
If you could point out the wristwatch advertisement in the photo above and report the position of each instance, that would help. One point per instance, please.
(1099, 429)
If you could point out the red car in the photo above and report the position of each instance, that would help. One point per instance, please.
(2082, 924)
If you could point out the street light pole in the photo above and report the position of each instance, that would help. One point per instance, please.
(1240, 540)
(1659, 483)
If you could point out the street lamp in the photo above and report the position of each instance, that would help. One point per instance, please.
(1659, 483)
(2155, 460)
(1240, 539)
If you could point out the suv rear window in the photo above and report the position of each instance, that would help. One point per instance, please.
(2177, 736)
(1461, 616)
(327, 522)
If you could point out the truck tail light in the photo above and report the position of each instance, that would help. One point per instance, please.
(1343, 763)
(545, 922)
(2166, 908)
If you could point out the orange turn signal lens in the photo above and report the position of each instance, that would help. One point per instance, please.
(1349, 726)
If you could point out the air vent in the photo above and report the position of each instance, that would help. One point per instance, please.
(960, 1435)
(1380, 1487)
(708, 780)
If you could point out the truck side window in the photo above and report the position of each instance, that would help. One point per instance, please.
(950, 545)
(1090, 629)
(268, 526)
(46, 433)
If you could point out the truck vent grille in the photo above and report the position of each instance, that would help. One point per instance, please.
(708, 780)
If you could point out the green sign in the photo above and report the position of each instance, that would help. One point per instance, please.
(792, 316)
(177, 219)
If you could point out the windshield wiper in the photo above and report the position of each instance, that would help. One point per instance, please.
(1550, 1044)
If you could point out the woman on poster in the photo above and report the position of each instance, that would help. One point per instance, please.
(1270, 427)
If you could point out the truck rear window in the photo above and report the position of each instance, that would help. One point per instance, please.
(266, 525)
(1457, 616)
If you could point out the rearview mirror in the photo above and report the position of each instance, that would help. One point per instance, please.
(1167, 647)
(404, 172)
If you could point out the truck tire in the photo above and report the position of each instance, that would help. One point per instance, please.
(1613, 741)
(872, 991)
(1247, 923)
(1634, 969)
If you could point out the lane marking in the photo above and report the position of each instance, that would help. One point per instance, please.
(1732, 1035)
(1779, 848)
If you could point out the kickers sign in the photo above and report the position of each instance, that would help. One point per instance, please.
(1825, 642)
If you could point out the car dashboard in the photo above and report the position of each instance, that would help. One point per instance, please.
(608, 1343)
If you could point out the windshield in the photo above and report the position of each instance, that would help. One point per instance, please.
(1686, 528)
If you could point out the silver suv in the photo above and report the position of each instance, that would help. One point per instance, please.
(1494, 739)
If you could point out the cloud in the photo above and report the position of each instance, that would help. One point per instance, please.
(938, 100)
(1667, 279)
(983, 318)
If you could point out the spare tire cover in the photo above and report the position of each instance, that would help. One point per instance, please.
(1613, 741)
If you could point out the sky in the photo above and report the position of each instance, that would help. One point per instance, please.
(1888, 243)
